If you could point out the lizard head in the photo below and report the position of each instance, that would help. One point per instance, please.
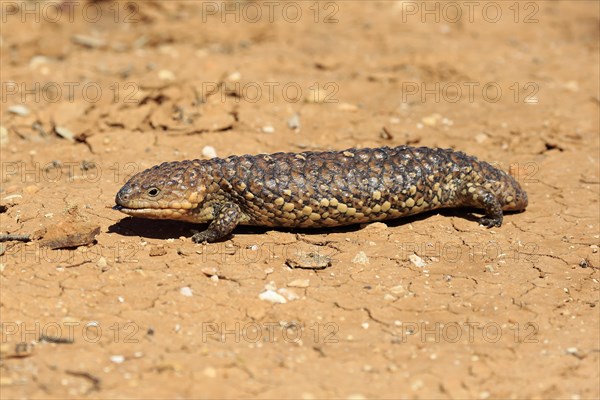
(166, 191)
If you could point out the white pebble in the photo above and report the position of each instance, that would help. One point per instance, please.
(234, 76)
(186, 291)
(268, 129)
(418, 261)
(37, 60)
(214, 278)
(289, 294)
(121, 299)
(65, 133)
(101, 263)
(360, 258)
(117, 359)
(431, 120)
(19, 109)
(166, 75)
(294, 122)
(209, 152)
(272, 296)
(572, 350)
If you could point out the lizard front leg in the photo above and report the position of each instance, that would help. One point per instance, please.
(226, 219)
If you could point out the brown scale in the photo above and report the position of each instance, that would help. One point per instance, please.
(319, 189)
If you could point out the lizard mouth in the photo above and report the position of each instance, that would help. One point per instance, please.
(155, 213)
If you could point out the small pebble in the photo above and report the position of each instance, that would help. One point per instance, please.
(272, 296)
(31, 189)
(157, 250)
(210, 372)
(101, 263)
(416, 385)
(431, 120)
(186, 291)
(117, 359)
(64, 133)
(268, 129)
(306, 260)
(37, 60)
(209, 152)
(166, 75)
(234, 76)
(121, 299)
(481, 137)
(572, 86)
(299, 283)
(360, 258)
(397, 289)
(290, 295)
(294, 122)
(19, 109)
(594, 248)
(416, 260)
(347, 107)
(376, 226)
(214, 278)
(88, 41)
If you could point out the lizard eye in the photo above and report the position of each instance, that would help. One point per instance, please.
(153, 192)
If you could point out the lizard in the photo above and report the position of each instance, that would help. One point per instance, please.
(319, 189)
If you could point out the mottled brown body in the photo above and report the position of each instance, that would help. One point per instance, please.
(319, 189)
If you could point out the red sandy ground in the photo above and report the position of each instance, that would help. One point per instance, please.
(510, 312)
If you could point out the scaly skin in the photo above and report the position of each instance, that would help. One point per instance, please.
(318, 189)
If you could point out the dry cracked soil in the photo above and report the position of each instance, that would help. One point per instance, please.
(100, 305)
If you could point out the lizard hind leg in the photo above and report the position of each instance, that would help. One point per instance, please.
(226, 219)
(480, 197)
